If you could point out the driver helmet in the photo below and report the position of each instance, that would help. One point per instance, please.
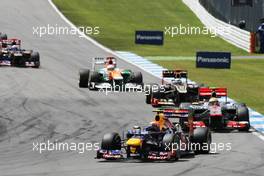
(177, 81)
(14, 47)
(213, 101)
(159, 121)
(136, 129)
(110, 64)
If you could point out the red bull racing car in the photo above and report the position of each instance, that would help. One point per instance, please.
(162, 140)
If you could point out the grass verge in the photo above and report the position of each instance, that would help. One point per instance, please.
(119, 19)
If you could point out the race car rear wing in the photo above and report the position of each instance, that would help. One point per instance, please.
(207, 93)
(10, 42)
(174, 74)
(173, 112)
(179, 113)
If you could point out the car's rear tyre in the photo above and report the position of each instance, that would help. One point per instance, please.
(95, 78)
(243, 115)
(148, 92)
(202, 139)
(111, 141)
(3, 37)
(171, 143)
(138, 78)
(84, 78)
(158, 94)
(185, 106)
(36, 59)
(148, 98)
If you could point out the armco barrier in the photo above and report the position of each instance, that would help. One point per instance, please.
(256, 119)
(235, 35)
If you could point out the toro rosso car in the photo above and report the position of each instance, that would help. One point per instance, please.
(162, 140)
(217, 114)
(175, 88)
(11, 54)
(109, 76)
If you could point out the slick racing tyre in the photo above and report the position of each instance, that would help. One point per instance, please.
(84, 77)
(95, 78)
(138, 79)
(201, 140)
(171, 143)
(158, 94)
(111, 141)
(243, 115)
(185, 106)
(148, 92)
(36, 59)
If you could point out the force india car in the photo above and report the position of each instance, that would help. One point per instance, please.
(155, 143)
(218, 115)
(109, 77)
(179, 89)
(11, 54)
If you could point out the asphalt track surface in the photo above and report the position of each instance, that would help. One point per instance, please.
(46, 104)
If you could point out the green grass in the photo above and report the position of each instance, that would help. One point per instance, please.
(119, 19)
(244, 81)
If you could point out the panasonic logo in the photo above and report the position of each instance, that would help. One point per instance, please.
(213, 60)
(143, 37)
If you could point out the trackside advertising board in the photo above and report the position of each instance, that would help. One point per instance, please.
(149, 37)
(213, 60)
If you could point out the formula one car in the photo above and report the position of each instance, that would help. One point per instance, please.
(218, 115)
(11, 54)
(109, 77)
(3, 36)
(179, 89)
(163, 140)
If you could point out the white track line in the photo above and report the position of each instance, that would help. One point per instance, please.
(258, 134)
(109, 50)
